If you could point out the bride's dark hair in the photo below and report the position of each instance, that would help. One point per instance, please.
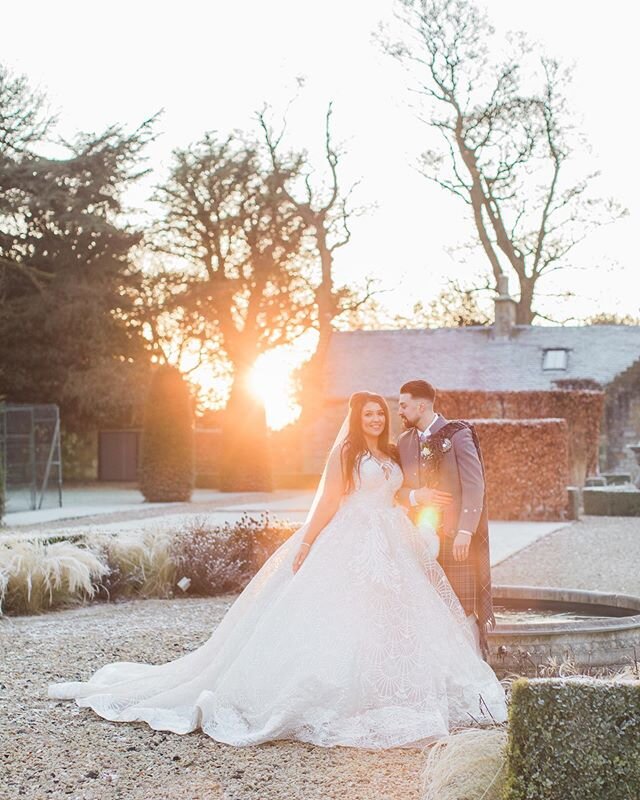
(355, 445)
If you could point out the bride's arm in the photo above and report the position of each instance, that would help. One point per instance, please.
(328, 504)
(423, 497)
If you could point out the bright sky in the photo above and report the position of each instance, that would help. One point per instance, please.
(212, 65)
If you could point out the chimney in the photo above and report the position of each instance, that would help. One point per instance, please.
(505, 309)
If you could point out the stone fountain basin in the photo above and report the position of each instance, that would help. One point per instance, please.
(608, 636)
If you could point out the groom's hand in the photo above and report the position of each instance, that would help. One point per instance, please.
(461, 546)
(433, 497)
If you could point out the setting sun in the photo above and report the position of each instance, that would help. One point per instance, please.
(271, 380)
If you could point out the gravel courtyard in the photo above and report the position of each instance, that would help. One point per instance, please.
(53, 749)
(598, 553)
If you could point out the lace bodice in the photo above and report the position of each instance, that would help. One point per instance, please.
(376, 483)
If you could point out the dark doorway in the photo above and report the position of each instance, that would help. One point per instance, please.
(118, 453)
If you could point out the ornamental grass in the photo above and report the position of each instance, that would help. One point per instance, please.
(199, 559)
(467, 765)
(36, 575)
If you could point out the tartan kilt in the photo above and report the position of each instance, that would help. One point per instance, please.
(460, 574)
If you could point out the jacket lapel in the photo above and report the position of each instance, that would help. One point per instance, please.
(438, 424)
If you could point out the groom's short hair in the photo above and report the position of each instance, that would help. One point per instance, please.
(422, 389)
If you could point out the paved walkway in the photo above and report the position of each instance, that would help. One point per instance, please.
(112, 509)
(596, 553)
(100, 499)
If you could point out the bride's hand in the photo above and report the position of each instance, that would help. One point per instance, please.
(427, 497)
(300, 556)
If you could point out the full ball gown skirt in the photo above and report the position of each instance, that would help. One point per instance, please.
(365, 646)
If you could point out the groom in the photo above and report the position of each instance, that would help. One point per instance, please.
(444, 479)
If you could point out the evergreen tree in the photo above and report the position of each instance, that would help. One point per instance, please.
(167, 465)
(66, 274)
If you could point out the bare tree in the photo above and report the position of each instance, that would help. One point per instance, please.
(242, 243)
(506, 152)
(326, 212)
(456, 306)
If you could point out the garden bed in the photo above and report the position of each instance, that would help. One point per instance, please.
(197, 559)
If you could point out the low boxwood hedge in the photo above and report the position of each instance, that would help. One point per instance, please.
(573, 739)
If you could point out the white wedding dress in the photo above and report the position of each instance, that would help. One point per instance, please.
(365, 646)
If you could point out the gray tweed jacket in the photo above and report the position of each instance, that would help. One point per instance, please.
(460, 475)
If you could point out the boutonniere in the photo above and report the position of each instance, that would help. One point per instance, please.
(425, 450)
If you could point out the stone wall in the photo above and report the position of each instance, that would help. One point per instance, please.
(622, 423)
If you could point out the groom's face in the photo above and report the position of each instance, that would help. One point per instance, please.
(411, 409)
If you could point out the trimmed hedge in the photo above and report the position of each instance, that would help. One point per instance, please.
(582, 409)
(166, 473)
(526, 467)
(573, 739)
(245, 447)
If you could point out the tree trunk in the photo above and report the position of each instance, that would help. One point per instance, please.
(524, 313)
(246, 460)
(311, 377)
(246, 457)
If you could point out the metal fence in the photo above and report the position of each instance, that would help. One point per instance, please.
(31, 457)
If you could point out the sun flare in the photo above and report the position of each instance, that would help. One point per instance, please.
(271, 382)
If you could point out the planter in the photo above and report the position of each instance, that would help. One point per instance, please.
(610, 502)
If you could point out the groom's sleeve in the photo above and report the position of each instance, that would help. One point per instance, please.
(471, 481)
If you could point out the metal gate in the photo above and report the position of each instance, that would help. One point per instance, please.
(30, 453)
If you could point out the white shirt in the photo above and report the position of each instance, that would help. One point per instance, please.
(427, 431)
(422, 435)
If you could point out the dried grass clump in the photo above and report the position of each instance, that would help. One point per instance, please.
(567, 667)
(141, 564)
(467, 765)
(36, 575)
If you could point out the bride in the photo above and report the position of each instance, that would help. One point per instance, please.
(350, 633)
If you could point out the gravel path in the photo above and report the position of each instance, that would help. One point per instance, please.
(53, 749)
(600, 553)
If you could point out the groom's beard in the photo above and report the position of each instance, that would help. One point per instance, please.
(406, 422)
